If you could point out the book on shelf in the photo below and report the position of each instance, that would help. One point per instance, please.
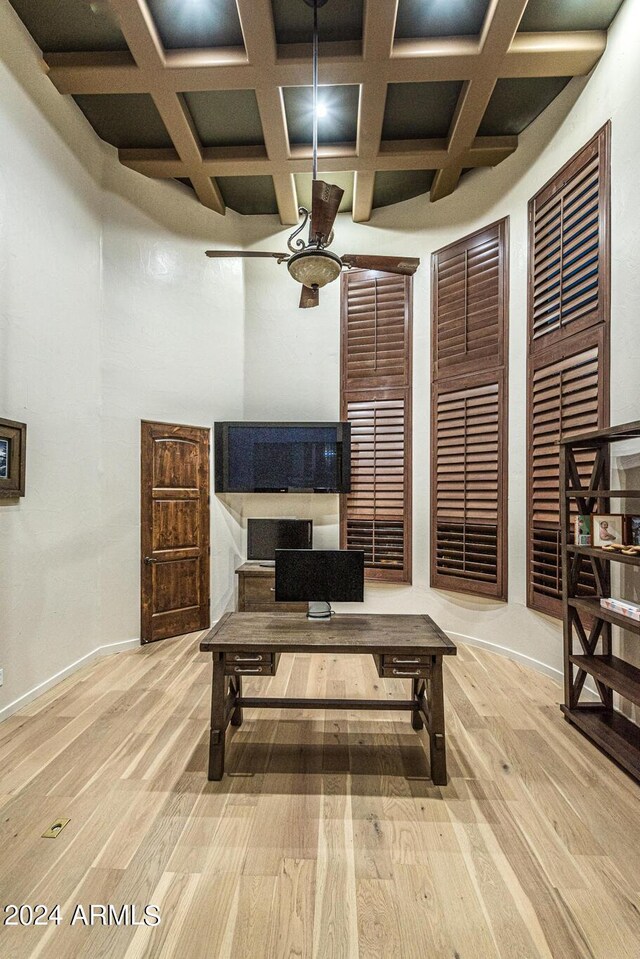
(622, 606)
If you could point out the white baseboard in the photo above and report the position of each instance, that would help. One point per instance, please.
(6, 711)
(509, 654)
(551, 671)
(41, 688)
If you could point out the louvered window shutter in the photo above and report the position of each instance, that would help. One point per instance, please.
(468, 484)
(567, 397)
(374, 516)
(568, 350)
(468, 296)
(376, 399)
(376, 335)
(469, 414)
(568, 242)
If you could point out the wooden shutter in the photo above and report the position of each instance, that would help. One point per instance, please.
(568, 349)
(567, 397)
(376, 399)
(469, 283)
(376, 334)
(468, 484)
(469, 414)
(374, 514)
(569, 247)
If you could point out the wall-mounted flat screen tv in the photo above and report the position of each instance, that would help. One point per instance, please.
(283, 457)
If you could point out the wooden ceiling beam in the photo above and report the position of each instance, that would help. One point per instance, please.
(450, 58)
(498, 31)
(335, 158)
(379, 28)
(145, 45)
(258, 30)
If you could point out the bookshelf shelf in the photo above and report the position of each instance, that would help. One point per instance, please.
(586, 623)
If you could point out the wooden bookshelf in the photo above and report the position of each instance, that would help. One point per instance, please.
(587, 624)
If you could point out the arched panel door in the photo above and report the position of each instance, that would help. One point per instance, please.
(174, 530)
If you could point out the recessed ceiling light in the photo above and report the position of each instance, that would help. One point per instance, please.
(321, 110)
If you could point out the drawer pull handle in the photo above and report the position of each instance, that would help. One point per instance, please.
(248, 669)
(406, 672)
(405, 662)
(272, 588)
(248, 659)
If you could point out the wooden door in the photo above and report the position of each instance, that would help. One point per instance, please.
(175, 530)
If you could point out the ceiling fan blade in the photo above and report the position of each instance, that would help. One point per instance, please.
(309, 298)
(326, 199)
(405, 265)
(276, 256)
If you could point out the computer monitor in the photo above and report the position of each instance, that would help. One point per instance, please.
(320, 577)
(265, 536)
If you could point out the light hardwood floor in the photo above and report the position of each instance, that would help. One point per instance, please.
(327, 838)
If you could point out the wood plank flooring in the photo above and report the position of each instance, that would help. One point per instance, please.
(327, 838)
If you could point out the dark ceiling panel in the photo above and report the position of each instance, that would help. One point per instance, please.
(440, 18)
(549, 15)
(392, 186)
(341, 122)
(419, 110)
(70, 25)
(248, 194)
(197, 23)
(515, 103)
(339, 20)
(125, 119)
(226, 117)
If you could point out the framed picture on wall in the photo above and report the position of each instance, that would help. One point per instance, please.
(607, 530)
(13, 449)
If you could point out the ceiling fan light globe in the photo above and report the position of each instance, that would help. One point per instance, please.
(314, 267)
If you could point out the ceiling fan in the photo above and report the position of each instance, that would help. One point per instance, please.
(311, 263)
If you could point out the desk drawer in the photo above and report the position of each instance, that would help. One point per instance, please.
(251, 664)
(403, 666)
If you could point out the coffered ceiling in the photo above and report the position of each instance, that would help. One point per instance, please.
(216, 93)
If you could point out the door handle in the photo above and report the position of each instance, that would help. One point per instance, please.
(149, 560)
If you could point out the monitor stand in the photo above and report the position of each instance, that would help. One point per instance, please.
(271, 563)
(319, 610)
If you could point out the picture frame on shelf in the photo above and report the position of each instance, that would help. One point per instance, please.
(582, 529)
(607, 529)
(13, 451)
(632, 530)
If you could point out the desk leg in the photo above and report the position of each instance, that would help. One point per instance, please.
(236, 716)
(435, 696)
(416, 718)
(218, 725)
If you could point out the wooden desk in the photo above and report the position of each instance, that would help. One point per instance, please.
(403, 647)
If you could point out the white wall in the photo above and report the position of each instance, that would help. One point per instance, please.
(109, 313)
(292, 357)
(50, 289)
(171, 350)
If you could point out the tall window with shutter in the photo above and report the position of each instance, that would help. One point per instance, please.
(568, 347)
(376, 399)
(469, 414)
